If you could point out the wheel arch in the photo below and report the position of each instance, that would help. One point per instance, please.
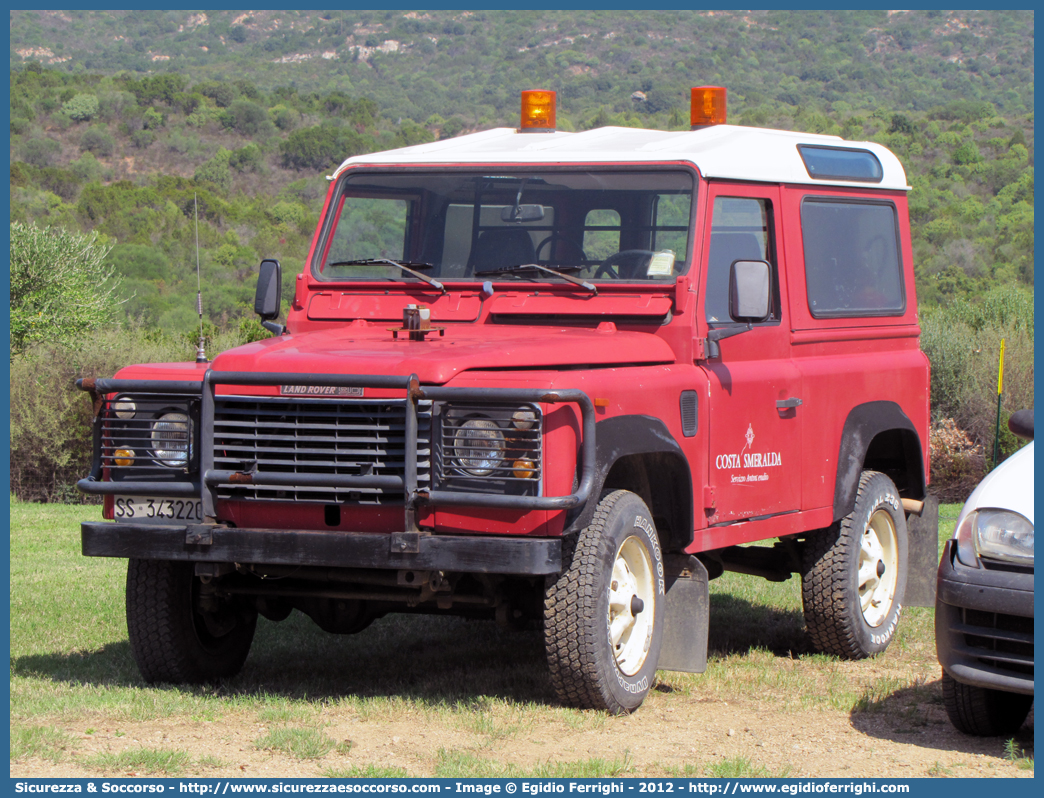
(878, 436)
(639, 454)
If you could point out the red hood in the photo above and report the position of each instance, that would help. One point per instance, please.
(436, 361)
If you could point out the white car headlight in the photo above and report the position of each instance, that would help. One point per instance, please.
(479, 445)
(1004, 535)
(995, 535)
(170, 439)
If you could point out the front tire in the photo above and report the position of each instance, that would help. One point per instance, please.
(178, 636)
(603, 615)
(854, 574)
(981, 711)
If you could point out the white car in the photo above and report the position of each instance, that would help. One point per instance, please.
(984, 601)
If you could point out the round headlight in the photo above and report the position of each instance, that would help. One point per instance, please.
(479, 446)
(170, 439)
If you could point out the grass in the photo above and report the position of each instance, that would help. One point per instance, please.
(465, 764)
(741, 768)
(1013, 753)
(41, 742)
(72, 674)
(307, 743)
(142, 761)
(366, 772)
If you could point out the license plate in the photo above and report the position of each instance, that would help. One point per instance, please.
(148, 510)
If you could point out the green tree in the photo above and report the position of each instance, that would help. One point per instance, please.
(82, 107)
(61, 288)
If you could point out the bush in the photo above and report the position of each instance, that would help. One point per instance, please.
(141, 139)
(957, 464)
(321, 147)
(246, 159)
(221, 93)
(38, 151)
(82, 107)
(248, 119)
(61, 288)
(216, 172)
(962, 343)
(152, 119)
(98, 141)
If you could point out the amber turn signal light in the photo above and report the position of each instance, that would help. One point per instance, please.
(124, 457)
(707, 106)
(538, 112)
(523, 469)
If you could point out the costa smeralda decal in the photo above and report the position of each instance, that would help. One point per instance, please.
(318, 390)
(747, 459)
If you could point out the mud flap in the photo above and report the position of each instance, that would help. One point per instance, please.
(922, 555)
(687, 616)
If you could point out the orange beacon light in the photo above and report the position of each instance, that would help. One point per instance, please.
(707, 106)
(538, 112)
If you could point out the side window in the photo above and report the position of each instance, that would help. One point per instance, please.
(601, 234)
(852, 265)
(741, 229)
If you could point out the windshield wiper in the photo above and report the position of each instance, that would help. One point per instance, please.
(404, 266)
(525, 267)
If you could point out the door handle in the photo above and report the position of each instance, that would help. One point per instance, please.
(787, 404)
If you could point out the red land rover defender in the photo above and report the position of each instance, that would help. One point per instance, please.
(529, 374)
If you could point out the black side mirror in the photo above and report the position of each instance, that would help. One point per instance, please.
(1021, 423)
(269, 293)
(750, 290)
(750, 301)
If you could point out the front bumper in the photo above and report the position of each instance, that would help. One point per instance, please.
(402, 550)
(984, 625)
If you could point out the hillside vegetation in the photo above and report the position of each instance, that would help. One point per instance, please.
(131, 125)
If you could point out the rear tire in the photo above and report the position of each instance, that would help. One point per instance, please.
(854, 574)
(172, 637)
(981, 711)
(603, 615)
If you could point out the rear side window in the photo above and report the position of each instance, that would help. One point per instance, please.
(852, 265)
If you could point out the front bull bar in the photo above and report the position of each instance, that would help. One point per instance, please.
(209, 477)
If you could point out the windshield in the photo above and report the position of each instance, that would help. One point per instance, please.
(596, 225)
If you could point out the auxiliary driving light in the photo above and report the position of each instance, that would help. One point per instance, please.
(523, 419)
(707, 106)
(124, 457)
(538, 112)
(124, 408)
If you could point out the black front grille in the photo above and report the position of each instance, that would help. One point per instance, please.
(998, 640)
(274, 435)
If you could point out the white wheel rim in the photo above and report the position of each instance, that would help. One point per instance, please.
(631, 628)
(878, 568)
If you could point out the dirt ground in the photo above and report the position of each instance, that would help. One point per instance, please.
(663, 738)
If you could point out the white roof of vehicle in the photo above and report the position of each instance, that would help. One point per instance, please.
(721, 151)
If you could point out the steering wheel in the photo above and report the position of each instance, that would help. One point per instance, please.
(631, 258)
(557, 236)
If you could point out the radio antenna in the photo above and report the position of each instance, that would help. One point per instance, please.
(201, 355)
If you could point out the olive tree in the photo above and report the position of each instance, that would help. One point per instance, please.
(61, 287)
